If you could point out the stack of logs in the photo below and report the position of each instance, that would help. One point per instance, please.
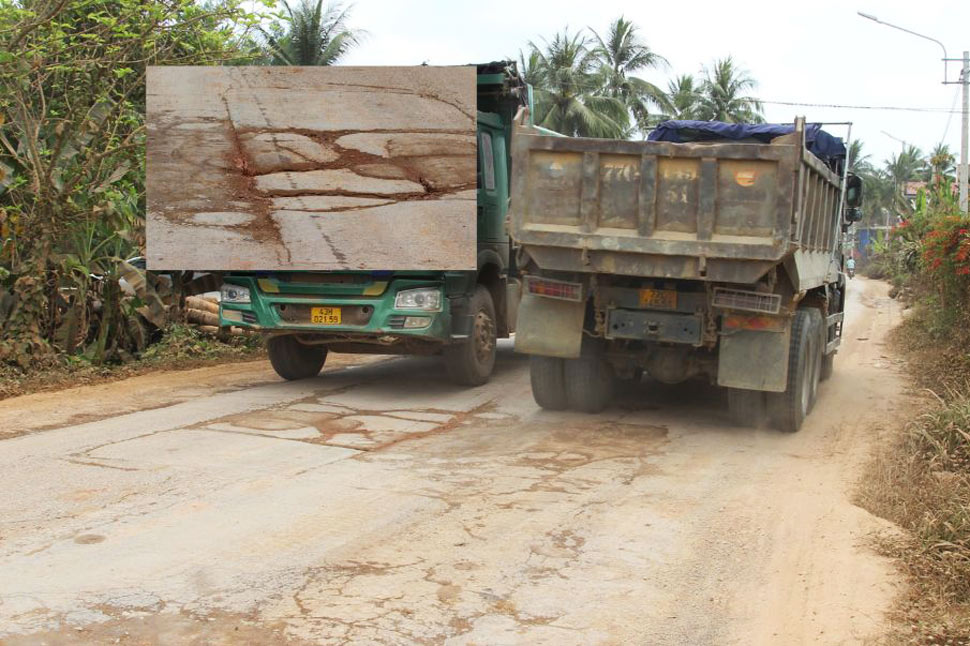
(203, 312)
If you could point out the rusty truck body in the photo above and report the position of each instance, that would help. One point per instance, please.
(711, 258)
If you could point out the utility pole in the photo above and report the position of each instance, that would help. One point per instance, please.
(962, 174)
(963, 171)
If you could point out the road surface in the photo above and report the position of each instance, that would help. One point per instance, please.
(378, 504)
(311, 168)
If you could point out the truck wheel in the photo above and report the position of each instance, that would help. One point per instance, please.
(789, 409)
(816, 356)
(589, 382)
(548, 382)
(747, 407)
(294, 360)
(470, 362)
(828, 367)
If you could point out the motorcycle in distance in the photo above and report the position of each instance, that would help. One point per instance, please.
(850, 267)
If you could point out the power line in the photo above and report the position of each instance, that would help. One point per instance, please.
(946, 130)
(862, 107)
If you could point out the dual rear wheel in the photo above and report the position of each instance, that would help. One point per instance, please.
(585, 384)
(806, 366)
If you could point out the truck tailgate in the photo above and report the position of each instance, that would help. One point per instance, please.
(657, 208)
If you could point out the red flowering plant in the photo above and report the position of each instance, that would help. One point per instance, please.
(946, 257)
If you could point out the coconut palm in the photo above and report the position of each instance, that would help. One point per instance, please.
(569, 95)
(907, 166)
(622, 53)
(315, 35)
(858, 161)
(725, 97)
(684, 98)
(942, 163)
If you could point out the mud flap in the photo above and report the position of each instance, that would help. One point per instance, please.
(549, 327)
(754, 359)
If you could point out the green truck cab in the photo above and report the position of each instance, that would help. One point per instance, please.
(457, 314)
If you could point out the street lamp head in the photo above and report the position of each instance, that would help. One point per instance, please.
(868, 15)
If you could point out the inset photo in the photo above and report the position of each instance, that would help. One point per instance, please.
(311, 168)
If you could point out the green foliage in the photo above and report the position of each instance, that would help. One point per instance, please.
(72, 138)
(621, 54)
(723, 94)
(570, 93)
(590, 86)
(185, 342)
(314, 34)
(684, 96)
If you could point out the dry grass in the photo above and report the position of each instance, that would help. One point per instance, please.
(921, 482)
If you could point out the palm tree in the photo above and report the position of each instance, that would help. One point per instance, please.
(621, 54)
(530, 68)
(858, 162)
(684, 97)
(942, 163)
(908, 165)
(569, 94)
(315, 35)
(724, 94)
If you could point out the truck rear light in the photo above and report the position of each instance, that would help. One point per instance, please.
(739, 299)
(554, 288)
(753, 322)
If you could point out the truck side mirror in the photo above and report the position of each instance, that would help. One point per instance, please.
(853, 215)
(853, 193)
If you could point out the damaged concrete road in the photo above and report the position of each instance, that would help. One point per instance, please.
(378, 504)
(365, 153)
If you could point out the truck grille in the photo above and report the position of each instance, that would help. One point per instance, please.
(739, 299)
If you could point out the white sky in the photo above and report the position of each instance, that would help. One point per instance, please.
(813, 52)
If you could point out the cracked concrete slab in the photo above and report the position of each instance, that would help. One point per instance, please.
(321, 182)
(250, 143)
(408, 144)
(334, 237)
(325, 203)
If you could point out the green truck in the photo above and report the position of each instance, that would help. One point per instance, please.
(458, 314)
(715, 253)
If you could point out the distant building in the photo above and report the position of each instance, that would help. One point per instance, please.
(912, 189)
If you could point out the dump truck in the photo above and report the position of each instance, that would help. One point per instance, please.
(711, 250)
(457, 314)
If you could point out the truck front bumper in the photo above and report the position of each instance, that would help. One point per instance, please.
(360, 314)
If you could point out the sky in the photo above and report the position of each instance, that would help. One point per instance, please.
(819, 52)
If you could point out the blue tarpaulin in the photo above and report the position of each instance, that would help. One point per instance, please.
(829, 149)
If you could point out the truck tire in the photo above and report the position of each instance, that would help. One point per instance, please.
(747, 407)
(828, 367)
(470, 362)
(816, 357)
(589, 382)
(294, 360)
(548, 382)
(789, 409)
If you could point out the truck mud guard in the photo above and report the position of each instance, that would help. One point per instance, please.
(549, 327)
(754, 359)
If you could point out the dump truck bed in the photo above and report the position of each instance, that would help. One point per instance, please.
(714, 211)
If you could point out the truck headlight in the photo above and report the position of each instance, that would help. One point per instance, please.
(427, 299)
(234, 294)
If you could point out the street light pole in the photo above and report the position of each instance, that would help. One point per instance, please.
(963, 171)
